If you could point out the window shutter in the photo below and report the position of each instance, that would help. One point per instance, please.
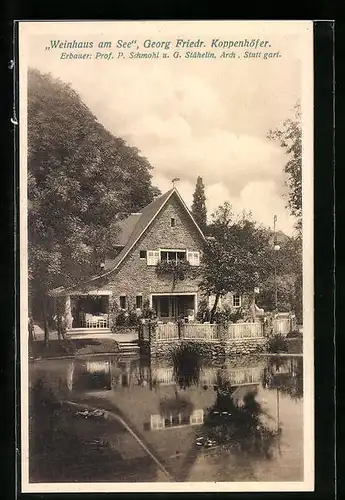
(193, 258)
(152, 257)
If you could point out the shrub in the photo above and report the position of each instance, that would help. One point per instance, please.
(187, 363)
(277, 343)
(121, 318)
(204, 313)
(294, 334)
(227, 315)
(133, 319)
(147, 311)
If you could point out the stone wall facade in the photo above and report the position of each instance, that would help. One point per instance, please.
(135, 277)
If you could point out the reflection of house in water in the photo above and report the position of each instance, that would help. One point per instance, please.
(285, 374)
(148, 398)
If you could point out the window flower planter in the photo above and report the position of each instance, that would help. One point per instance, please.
(175, 269)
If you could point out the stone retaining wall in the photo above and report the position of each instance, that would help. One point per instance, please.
(207, 348)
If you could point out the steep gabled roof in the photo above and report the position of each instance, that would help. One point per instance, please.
(148, 215)
(132, 228)
(126, 228)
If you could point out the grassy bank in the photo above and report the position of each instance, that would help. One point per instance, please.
(65, 348)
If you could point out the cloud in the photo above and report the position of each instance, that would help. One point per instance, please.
(203, 118)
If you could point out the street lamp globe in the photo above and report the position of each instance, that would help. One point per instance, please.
(276, 247)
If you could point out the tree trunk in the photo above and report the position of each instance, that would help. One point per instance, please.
(31, 333)
(214, 308)
(252, 308)
(45, 321)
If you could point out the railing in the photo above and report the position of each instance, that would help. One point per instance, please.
(244, 330)
(164, 375)
(282, 326)
(240, 376)
(167, 331)
(203, 331)
(210, 376)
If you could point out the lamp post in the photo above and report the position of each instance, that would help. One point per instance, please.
(276, 249)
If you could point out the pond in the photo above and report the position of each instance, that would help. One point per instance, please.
(132, 419)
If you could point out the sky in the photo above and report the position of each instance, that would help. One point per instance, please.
(194, 117)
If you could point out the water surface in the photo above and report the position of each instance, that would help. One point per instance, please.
(184, 419)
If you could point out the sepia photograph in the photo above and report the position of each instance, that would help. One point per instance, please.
(166, 256)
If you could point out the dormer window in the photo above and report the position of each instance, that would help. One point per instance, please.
(172, 222)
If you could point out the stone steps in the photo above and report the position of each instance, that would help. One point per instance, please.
(128, 347)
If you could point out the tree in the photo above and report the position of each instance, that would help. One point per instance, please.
(80, 178)
(199, 210)
(288, 263)
(237, 257)
(290, 139)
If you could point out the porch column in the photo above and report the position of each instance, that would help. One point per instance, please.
(195, 305)
(68, 312)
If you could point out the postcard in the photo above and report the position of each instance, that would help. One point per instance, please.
(166, 256)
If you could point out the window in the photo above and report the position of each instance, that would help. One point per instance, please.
(197, 417)
(152, 257)
(172, 222)
(236, 300)
(172, 255)
(123, 301)
(164, 307)
(143, 254)
(194, 258)
(139, 301)
(157, 422)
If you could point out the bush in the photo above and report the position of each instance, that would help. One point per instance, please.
(227, 315)
(204, 313)
(187, 363)
(294, 334)
(128, 319)
(148, 312)
(133, 319)
(277, 343)
(121, 318)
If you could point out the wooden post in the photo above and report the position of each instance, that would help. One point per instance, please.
(252, 308)
(45, 321)
(68, 312)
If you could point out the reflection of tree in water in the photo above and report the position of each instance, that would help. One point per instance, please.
(286, 375)
(57, 451)
(187, 363)
(236, 424)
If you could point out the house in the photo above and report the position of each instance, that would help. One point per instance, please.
(155, 263)
(170, 419)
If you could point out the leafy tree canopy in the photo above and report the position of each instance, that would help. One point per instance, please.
(238, 256)
(199, 210)
(290, 138)
(80, 179)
